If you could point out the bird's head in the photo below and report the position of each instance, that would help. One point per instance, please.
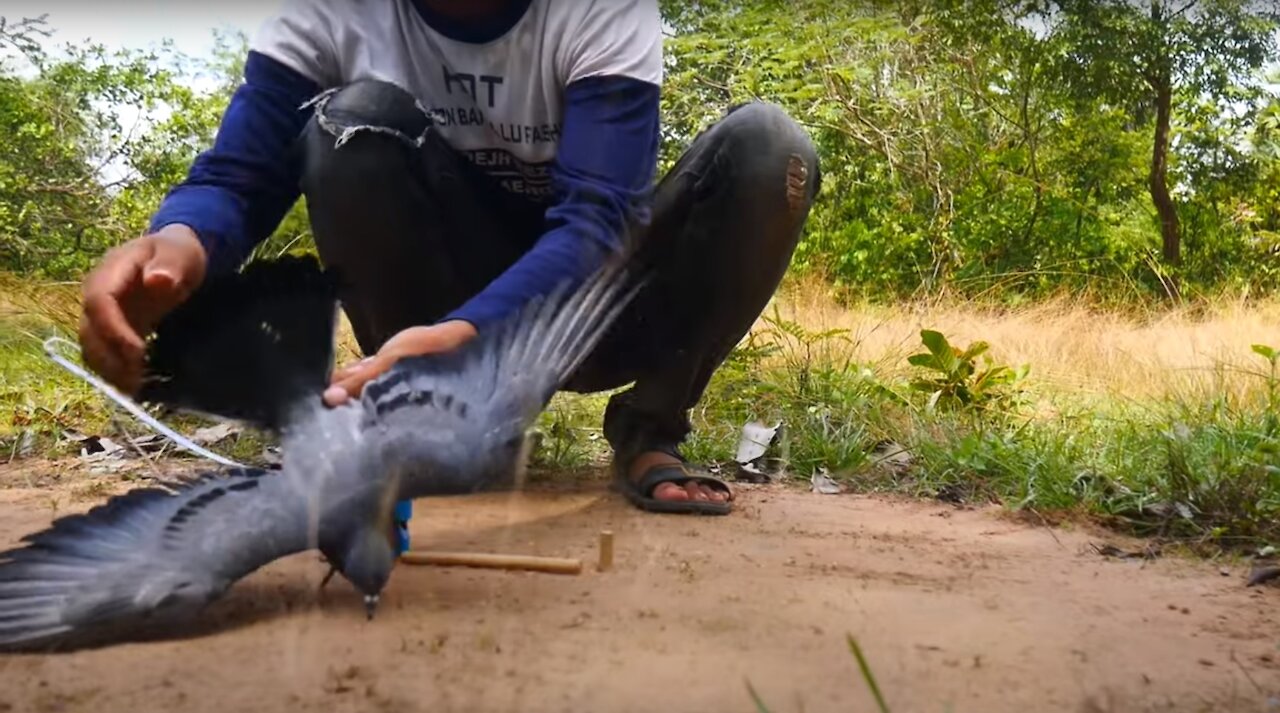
(365, 559)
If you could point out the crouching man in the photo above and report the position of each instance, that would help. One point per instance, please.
(459, 157)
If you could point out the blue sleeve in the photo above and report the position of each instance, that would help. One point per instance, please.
(237, 192)
(603, 178)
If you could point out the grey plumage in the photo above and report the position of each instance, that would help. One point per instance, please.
(443, 424)
(152, 554)
(456, 424)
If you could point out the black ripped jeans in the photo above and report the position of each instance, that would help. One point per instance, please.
(415, 230)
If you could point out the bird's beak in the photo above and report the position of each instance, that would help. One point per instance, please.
(371, 605)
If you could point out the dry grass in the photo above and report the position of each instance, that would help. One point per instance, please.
(58, 304)
(1072, 348)
(43, 302)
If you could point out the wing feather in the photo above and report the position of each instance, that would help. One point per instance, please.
(149, 555)
(442, 417)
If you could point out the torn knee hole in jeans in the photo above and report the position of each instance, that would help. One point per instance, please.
(343, 134)
(797, 180)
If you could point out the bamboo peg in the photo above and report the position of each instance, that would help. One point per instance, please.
(606, 550)
(549, 565)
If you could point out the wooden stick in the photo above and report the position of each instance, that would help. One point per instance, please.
(606, 550)
(550, 565)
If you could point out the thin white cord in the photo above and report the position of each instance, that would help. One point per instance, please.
(127, 404)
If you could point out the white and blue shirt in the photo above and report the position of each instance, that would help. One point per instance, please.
(557, 100)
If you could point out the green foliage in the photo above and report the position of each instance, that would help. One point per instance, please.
(39, 402)
(1118, 50)
(830, 405)
(959, 382)
(984, 148)
(961, 153)
(568, 434)
(94, 140)
(1272, 355)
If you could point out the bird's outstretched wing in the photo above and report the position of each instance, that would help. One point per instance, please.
(445, 422)
(150, 556)
(247, 345)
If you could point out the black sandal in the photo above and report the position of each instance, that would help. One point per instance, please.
(640, 493)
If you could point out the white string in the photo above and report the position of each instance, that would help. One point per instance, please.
(127, 404)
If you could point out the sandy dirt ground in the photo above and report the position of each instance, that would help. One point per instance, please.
(957, 610)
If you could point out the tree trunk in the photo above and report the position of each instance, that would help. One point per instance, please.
(1170, 229)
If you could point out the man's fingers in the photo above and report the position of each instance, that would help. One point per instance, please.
(164, 283)
(347, 383)
(133, 287)
(352, 383)
(119, 269)
(336, 396)
(114, 339)
(349, 370)
(109, 324)
(100, 357)
(164, 276)
(160, 279)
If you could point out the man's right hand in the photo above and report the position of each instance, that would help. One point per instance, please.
(127, 294)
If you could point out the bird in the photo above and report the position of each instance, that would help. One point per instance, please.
(441, 424)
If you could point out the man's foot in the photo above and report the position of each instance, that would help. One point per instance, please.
(660, 481)
(669, 491)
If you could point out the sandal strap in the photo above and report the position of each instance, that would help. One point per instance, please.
(660, 474)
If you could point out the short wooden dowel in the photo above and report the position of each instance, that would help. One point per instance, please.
(549, 565)
(606, 551)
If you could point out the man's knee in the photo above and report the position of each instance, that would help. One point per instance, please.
(358, 129)
(770, 151)
(374, 106)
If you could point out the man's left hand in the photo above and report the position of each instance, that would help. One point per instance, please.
(414, 341)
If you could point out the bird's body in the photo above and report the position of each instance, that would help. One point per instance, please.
(446, 424)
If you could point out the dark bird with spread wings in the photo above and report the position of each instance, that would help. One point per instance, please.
(258, 346)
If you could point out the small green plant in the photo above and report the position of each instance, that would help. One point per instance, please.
(863, 667)
(567, 434)
(1272, 355)
(803, 350)
(958, 380)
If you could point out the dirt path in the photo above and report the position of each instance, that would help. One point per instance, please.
(957, 611)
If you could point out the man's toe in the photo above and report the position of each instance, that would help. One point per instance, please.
(670, 492)
(696, 492)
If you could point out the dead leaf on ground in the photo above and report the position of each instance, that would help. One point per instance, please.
(212, 435)
(823, 484)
